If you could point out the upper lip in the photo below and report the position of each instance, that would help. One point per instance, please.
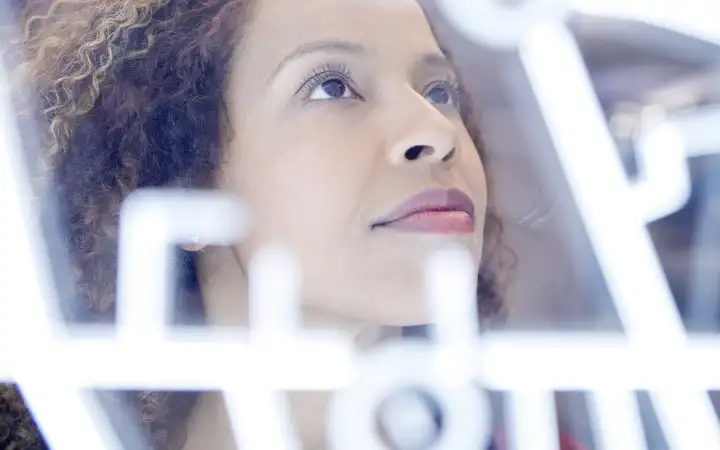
(430, 200)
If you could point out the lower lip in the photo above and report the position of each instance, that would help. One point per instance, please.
(438, 222)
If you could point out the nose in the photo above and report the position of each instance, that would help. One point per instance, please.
(426, 136)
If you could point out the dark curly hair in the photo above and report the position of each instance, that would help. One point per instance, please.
(130, 95)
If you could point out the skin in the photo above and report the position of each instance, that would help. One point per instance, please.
(285, 151)
(316, 171)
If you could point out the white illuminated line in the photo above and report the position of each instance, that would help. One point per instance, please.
(616, 228)
(616, 419)
(260, 418)
(493, 24)
(580, 362)
(695, 18)
(274, 285)
(151, 224)
(663, 182)
(688, 417)
(202, 363)
(398, 365)
(570, 361)
(28, 303)
(311, 362)
(144, 279)
(67, 419)
(451, 289)
(699, 130)
(592, 165)
(5, 370)
(532, 420)
(451, 279)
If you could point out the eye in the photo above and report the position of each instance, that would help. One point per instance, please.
(330, 81)
(442, 94)
(331, 89)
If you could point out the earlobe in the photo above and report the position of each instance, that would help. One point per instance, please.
(194, 245)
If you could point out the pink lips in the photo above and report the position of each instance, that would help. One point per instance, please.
(440, 211)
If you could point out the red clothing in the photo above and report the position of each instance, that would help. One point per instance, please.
(567, 442)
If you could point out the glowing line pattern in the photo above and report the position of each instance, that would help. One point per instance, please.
(275, 354)
(616, 229)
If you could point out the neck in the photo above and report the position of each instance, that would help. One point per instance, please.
(224, 289)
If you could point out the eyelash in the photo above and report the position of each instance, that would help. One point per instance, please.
(451, 83)
(327, 72)
(333, 70)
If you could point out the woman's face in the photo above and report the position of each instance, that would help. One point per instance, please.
(340, 111)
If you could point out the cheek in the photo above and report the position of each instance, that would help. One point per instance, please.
(474, 174)
(478, 185)
(472, 171)
(300, 194)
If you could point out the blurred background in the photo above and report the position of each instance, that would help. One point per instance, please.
(639, 72)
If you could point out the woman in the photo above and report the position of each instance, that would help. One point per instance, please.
(326, 117)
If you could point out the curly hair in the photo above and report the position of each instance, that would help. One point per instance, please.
(129, 94)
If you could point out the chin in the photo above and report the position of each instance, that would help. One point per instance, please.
(391, 293)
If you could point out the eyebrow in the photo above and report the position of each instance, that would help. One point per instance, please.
(329, 45)
(437, 60)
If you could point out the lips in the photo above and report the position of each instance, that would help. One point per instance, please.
(443, 211)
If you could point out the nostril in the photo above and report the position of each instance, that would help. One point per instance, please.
(449, 156)
(416, 151)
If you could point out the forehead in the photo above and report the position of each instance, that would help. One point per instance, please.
(386, 28)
